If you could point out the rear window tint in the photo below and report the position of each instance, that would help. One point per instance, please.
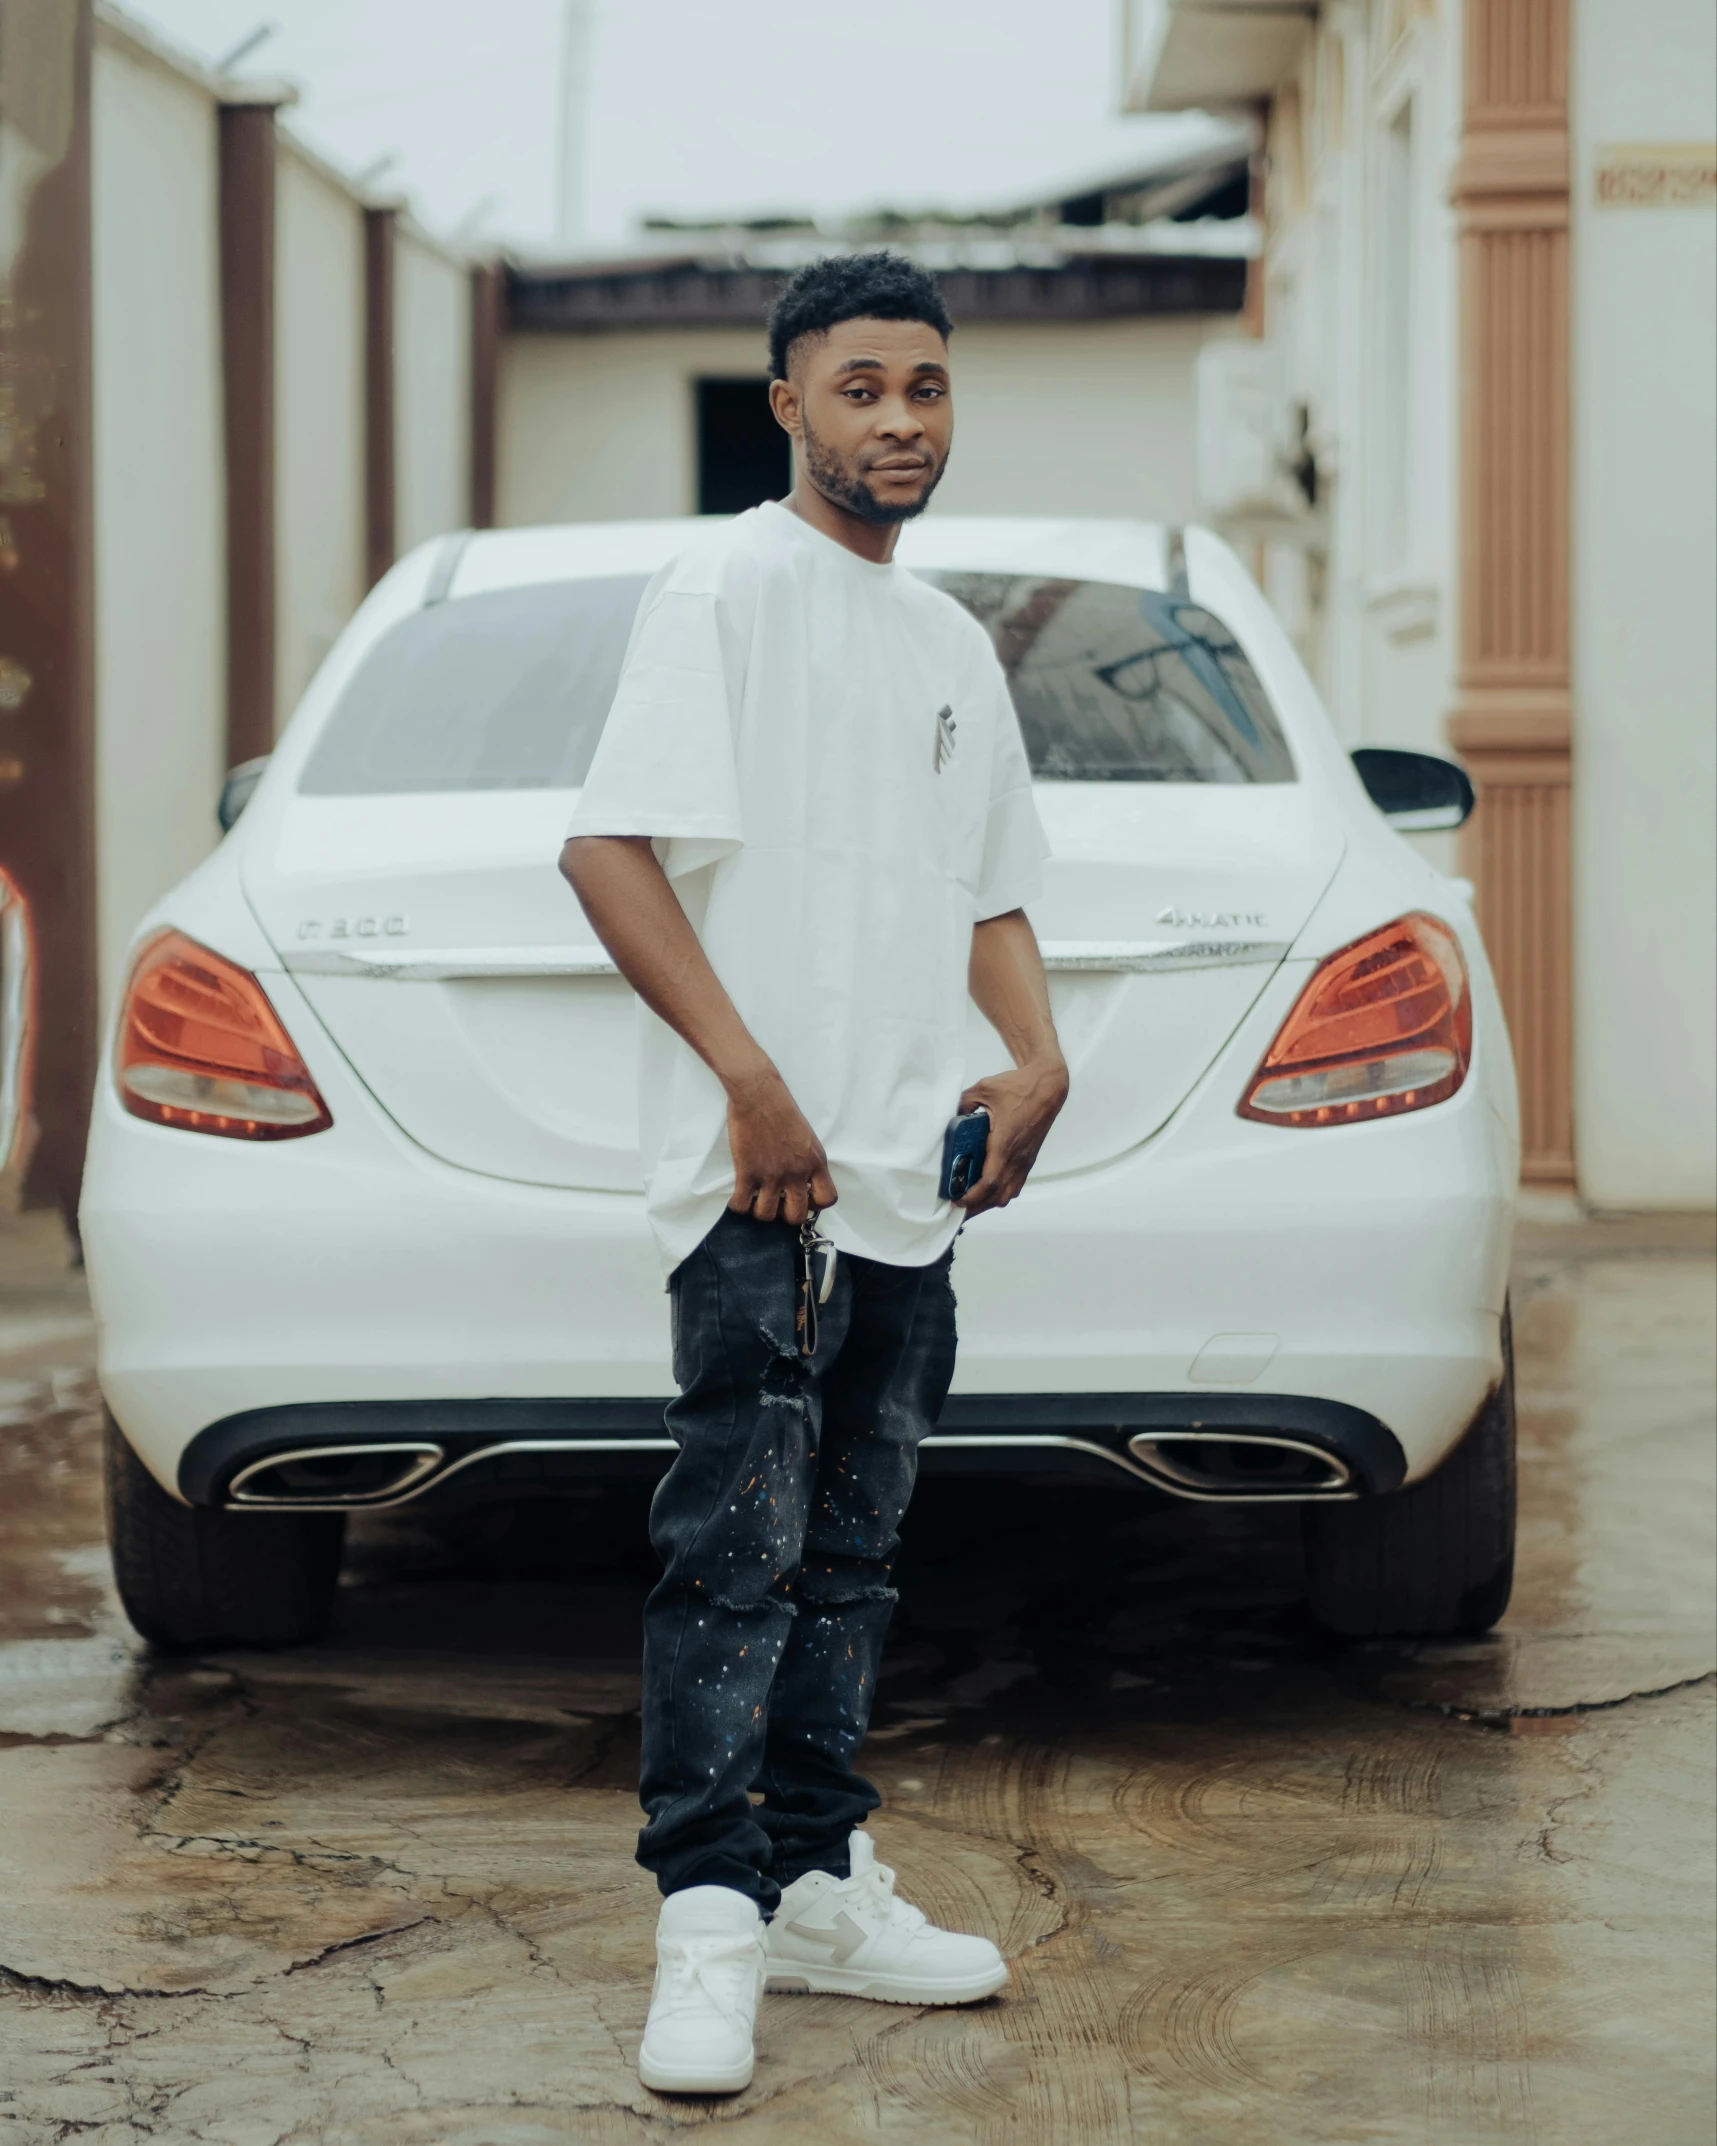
(1119, 684)
(510, 690)
(506, 691)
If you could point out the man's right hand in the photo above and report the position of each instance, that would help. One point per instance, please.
(779, 1168)
(778, 1162)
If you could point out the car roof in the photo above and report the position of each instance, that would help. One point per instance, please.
(1091, 549)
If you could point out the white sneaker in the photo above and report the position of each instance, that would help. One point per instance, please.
(851, 1936)
(709, 1975)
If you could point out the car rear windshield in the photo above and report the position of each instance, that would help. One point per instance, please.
(1118, 684)
(509, 690)
(504, 691)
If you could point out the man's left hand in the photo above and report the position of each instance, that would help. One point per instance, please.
(1023, 1105)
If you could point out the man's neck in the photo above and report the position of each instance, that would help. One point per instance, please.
(874, 541)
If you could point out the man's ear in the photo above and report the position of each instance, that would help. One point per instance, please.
(785, 401)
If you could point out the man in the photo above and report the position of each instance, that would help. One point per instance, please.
(808, 830)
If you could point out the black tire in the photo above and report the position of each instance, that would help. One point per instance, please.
(1431, 1561)
(190, 1577)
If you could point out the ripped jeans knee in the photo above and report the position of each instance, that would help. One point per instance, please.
(785, 1378)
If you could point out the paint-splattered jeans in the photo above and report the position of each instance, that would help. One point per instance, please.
(776, 1527)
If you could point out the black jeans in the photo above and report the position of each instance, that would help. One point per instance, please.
(776, 1527)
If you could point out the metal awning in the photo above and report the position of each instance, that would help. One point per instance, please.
(695, 294)
(1204, 55)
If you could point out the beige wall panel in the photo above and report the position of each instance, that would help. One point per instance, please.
(160, 567)
(432, 409)
(1406, 699)
(319, 416)
(1645, 562)
(1087, 418)
(1094, 417)
(1406, 683)
(598, 428)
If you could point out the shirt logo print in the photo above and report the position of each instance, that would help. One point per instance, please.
(944, 738)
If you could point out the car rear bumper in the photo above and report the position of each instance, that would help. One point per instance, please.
(348, 1456)
(1221, 1264)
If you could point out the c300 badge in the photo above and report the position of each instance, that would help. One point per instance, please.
(354, 927)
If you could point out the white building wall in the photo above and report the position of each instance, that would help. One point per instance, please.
(1645, 663)
(1087, 417)
(160, 518)
(1359, 301)
(432, 409)
(319, 417)
(1360, 286)
(1403, 592)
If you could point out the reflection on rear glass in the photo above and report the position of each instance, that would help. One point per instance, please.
(1117, 684)
(509, 691)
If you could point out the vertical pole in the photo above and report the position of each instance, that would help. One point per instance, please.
(1257, 273)
(488, 297)
(576, 34)
(1512, 718)
(47, 601)
(379, 475)
(1257, 208)
(247, 152)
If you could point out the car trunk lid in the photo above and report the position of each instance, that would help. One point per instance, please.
(437, 942)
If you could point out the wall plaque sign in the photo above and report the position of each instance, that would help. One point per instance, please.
(1653, 175)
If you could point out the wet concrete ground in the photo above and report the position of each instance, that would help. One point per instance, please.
(1256, 1888)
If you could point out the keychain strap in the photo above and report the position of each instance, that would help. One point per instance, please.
(811, 1297)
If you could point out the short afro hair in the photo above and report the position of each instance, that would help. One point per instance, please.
(855, 286)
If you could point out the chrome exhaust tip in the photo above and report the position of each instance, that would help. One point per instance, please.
(1241, 1464)
(335, 1478)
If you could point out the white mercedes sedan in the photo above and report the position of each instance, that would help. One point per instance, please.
(362, 1211)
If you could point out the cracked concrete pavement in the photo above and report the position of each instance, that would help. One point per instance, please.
(1257, 1889)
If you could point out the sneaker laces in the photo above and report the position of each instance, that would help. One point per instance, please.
(703, 1967)
(897, 1914)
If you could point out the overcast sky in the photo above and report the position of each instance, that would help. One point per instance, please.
(697, 107)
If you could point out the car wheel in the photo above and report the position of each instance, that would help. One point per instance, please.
(1435, 1559)
(189, 1577)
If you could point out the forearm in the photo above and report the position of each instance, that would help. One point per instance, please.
(1009, 987)
(779, 1167)
(637, 916)
(1010, 990)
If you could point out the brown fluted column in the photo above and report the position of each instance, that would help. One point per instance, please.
(1511, 722)
(379, 474)
(488, 300)
(247, 365)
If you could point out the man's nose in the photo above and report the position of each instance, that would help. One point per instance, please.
(898, 420)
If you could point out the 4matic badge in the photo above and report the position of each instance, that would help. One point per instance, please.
(1212, 919)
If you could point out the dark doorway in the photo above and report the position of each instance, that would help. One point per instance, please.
(743, 455)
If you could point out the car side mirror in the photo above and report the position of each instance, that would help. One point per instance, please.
(236, 791)
(1417, 793)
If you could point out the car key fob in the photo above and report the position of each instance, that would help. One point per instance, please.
(964, 1146)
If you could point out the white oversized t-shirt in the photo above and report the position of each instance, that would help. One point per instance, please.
(827, 757)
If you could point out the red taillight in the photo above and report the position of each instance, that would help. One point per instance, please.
(1383, 1027)
(201, 1048)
